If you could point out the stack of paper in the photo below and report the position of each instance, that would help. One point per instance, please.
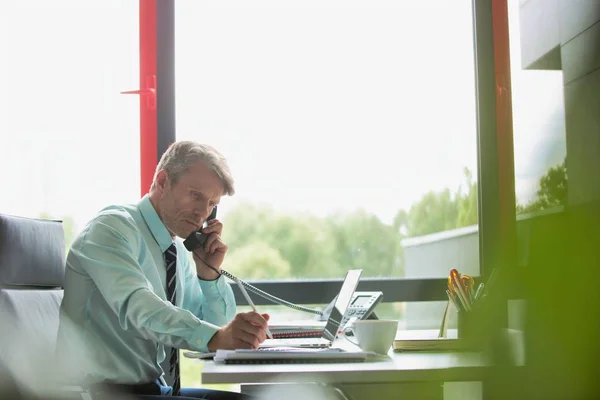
(428, 340)
(281, 355)
(440, 344)
(297, 329)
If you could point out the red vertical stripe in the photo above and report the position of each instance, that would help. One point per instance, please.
(148, 119)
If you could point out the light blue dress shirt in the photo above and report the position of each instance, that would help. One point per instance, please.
(115, 318)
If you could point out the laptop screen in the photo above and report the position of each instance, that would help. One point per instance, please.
(341, 304)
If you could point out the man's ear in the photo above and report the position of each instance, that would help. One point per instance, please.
(162, 180)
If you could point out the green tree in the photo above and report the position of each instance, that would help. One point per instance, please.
(300, 239)
(400, 223)
(435, 212)
(363, 241)
(244, 223)
(440, 211)
(467, 202)
(257, 260)
(552, 192)
(306, 243)
(317, 247)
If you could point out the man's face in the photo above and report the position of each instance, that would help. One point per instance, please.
(185, 205)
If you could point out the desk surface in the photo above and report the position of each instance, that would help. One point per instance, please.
(399, 367)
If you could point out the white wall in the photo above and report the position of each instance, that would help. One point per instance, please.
(433, 256)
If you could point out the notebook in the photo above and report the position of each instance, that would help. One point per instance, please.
(297, 329)
(428, 340)
(287, 356)
(333, 323)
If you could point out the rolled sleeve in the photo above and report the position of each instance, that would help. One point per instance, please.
(107, 255)
(210, 301)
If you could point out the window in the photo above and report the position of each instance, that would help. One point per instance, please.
(539, 128)
(70, 140)
(349, 126)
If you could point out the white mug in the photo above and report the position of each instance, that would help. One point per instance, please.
(376, 335)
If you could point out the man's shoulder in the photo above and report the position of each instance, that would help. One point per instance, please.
(120, 217)
(117, 212)
(112, 224)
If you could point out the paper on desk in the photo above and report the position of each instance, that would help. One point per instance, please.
(297, 325)
(428, 340)
(292, 354)
(205, 356)
(199, 355)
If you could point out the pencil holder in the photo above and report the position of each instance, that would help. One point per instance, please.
(462, 324)
(471, 326)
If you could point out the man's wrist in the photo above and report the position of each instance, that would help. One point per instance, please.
(212, 344)
(205, 272)
(207, 279)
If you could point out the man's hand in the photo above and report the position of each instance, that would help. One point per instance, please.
(245, 331)
(212, 252)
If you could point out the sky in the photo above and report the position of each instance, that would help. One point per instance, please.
(319, 106)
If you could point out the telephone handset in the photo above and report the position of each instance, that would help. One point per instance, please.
(196, 239)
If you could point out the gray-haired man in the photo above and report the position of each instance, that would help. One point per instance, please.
(130, 287)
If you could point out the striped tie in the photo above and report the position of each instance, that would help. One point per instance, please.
(171, 262)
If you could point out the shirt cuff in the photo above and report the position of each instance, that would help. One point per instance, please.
(202, 336)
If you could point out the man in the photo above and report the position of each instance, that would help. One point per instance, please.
(131, 289)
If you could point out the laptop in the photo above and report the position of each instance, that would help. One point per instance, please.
(333, 323)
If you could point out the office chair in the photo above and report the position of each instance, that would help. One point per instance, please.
(32, 267)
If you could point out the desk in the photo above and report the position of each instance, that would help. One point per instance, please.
(401, 367)
(413, 374)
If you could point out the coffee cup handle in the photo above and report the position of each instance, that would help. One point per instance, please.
(349, 329)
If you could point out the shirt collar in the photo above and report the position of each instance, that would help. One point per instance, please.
(157, 227)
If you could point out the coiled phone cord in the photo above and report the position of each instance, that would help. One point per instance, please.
(261, 293)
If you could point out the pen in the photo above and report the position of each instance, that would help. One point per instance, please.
(452, 299)
(479, 290)
(249, 300)
(491, 279)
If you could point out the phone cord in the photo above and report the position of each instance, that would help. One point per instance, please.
(272, 298)
(263, 294)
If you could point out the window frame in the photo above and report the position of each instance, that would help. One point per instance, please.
(496, 203)
(157, 85)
